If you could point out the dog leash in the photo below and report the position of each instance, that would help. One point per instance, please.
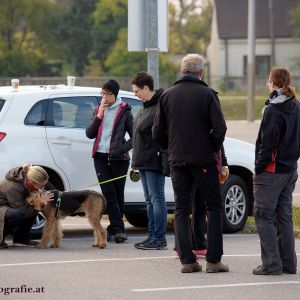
(106, 181)
(58, 203)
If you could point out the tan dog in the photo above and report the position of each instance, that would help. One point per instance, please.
(90, 202)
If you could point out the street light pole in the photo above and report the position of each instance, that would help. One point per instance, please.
(271, 15)
(152, 40)
(251, 60)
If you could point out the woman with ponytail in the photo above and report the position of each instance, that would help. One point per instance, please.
(276, 153)
(16, 216)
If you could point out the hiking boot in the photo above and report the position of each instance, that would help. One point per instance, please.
(153, 245)
(190, 268)
(28, 243)
(216, 268)
(261, 271)
(120, 237)
(142, 242)
(3, 245)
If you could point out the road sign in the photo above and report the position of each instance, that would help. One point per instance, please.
(138, 27)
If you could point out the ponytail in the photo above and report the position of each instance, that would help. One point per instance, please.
(289, 91)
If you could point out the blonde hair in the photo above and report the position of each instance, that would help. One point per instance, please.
(35, 174)
(192, 63)
(281, 78)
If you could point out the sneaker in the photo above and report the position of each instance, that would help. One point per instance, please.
(120, 237)
(28, 243)
(142, 242)
(216, 268)
(261, 271)
(3, 245)
(190, 268)
(153, 245)
(110, 237)
(200, 253)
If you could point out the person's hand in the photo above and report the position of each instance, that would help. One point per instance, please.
(101, 109)
(47, 196)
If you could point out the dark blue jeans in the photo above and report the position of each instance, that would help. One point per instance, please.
(207, 181)
(153, 186)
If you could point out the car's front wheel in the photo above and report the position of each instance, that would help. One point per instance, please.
(236, 200)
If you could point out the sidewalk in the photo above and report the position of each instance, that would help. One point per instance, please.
(247, 131)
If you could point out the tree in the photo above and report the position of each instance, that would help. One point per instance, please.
(295, 21)
(25, 46)
(75, 31)
(108, 19)
(189, 26)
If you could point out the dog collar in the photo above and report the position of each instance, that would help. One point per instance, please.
(58, 202)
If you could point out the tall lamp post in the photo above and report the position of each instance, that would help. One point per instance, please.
(251, 60)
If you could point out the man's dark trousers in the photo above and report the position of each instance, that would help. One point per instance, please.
(207, 181)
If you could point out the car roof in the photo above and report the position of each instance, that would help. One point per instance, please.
(53, 89)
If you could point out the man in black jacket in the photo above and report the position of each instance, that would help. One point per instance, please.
(190, 124)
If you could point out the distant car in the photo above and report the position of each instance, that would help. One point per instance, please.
(45, 125)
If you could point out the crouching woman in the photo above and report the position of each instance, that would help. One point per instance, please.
(16, 216)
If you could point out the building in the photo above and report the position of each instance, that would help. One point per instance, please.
(276, 43)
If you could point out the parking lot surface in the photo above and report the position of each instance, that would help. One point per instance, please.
(78, 271)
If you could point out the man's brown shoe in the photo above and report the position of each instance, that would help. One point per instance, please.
(216, 268)
(190, 268)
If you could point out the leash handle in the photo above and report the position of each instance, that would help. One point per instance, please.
(58, 203)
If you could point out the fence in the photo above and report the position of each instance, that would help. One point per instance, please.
(222, 84)
(125, 82)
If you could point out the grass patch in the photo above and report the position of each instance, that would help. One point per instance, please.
(235, 107)
(296, 220)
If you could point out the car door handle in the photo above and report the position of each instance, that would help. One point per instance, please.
(61, 142)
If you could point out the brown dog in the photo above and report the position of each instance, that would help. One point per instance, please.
(90, 202)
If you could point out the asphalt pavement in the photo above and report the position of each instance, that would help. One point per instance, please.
(77, 271)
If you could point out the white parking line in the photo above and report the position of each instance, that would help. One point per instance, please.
(84, 261)
(213, 286)
(110, 259)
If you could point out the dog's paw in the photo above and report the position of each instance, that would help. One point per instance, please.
(54, 246)
(95, 245)
(102, 246)
(40, 246)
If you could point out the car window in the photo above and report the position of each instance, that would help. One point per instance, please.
(37, 114)
(73, 112)
(134, 103)
(1, 103)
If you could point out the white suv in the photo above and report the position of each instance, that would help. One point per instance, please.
(45, 125)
